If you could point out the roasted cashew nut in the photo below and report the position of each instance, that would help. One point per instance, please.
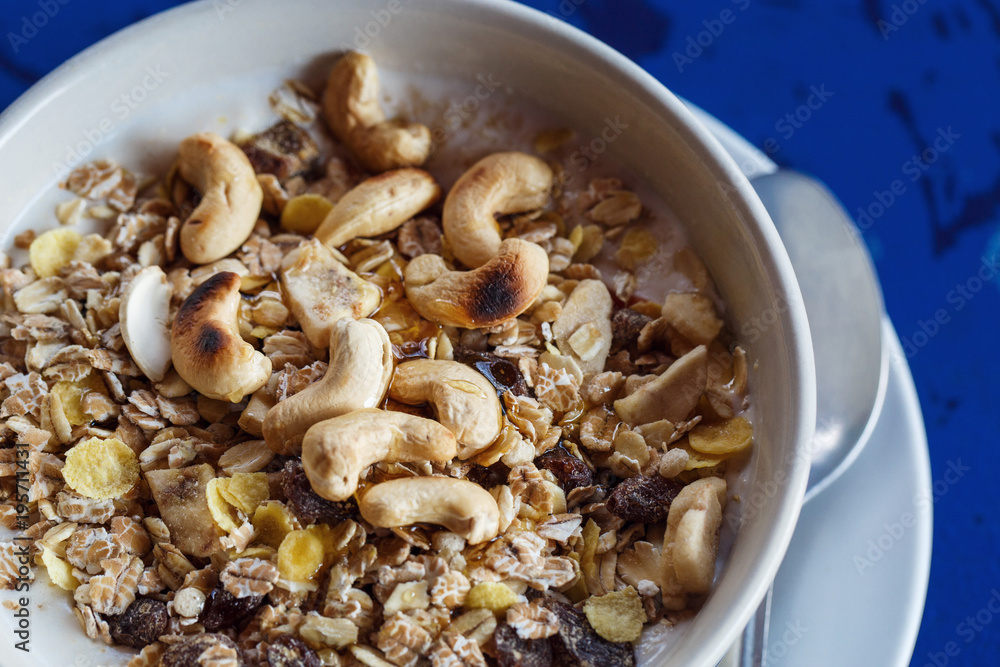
(357, 377)
(336, 451)
(352, 111)
(230, 197)
(501, 183)
(206, 346)
(501, 289)
(461, 506)
(378, 205)
(463, 400)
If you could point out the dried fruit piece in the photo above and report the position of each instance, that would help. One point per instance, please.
(306, 503)
(488, 477)
(643, 499)
(626, 324)
(53, 250)
(617, 616)
(98, 468)
(569, 470)
(501, 373)
(284, 149)
(513, 651)
(577, 643)
(731, 436)
(141, 624)
(182, 499)
(496, 597)
(304, 214)
(202, 650)
(287, 651)
(224, 610)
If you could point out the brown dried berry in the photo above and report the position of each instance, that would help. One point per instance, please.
(225, 610)
(284, 149)
(488, 477)
(576, 643)
(308, 506)
(512, 651)
(502, 373)
(625, 327)
(643, 499)
(188, 652)
(139, 625)
(287, 651)
(569, 470)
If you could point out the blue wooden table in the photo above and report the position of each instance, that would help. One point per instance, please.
(893, 104)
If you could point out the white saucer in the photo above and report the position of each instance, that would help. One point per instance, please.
(851, 589)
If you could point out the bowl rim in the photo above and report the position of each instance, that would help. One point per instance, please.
(740, 193)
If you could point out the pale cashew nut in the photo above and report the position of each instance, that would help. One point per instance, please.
(378, 205)
(463, 400)
(230, 197)
(352, 111)
(336, 451)
(461, 506)
(357, 377)
(497, 291)
(206, 346)
(501, 183)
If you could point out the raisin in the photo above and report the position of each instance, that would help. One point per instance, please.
(569, 470)
(306, 503)
(187, 652)
(643, 499)
(502, 373)
(139, 625)
(625, 327)
(487, 478)
(512, 651)
(287, 651)
(284, 149)
(225, 610)
(577, 644)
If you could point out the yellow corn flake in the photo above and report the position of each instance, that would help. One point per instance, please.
(60, 571)
(101, 469)
(245, 491)
(272, 522)
(637, 246)
(496, 597)
(698, 459)
(588, 557)
(617, 616)
(263, 553)
(53, 250)
(305, 213)
(547, 141)
(731, 436)
(222, 511)
(71, 394)
(262, 332)
(300, 555)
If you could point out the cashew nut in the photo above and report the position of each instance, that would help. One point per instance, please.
(357, 377)
(352, 111)
(463, 400)
(378, 205)
(461, 506)
(206, 346)
(500, 183)
(501, 289)
(230, 197)
(336, 451)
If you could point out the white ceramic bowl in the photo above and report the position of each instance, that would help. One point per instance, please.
(134, 95)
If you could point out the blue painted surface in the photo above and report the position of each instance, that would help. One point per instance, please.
(894, 77)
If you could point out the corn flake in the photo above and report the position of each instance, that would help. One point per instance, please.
(305, 213)
(731, 436)
(496, 597)
(71, 394)
(230, 496)
(300, 555)
(53, 250)
(101, 469)
(60, 571)
(272, 521)
(617, 616)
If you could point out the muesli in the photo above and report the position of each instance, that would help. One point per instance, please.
(300, 406)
